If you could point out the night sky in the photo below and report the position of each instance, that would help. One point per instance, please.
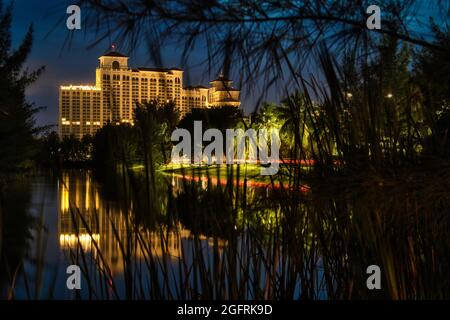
(63, 65)
(76, 64)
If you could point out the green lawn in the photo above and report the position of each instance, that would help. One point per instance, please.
(250, 171)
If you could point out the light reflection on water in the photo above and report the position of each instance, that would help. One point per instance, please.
(274, 244)
(87, 226)
(78, 220)
(98, 225)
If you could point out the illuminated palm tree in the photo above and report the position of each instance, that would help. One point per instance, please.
(292, 113)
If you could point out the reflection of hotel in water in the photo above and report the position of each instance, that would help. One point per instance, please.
(77, 192)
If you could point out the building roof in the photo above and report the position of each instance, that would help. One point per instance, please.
(227, 89)
(152, 69)
(227, 99)
(221, 78)
(157, 69)
(195, 87)
(114, 54)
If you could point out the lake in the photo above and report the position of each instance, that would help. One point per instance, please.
(215, 237)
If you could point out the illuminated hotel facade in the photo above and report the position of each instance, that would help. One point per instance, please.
(83, 109)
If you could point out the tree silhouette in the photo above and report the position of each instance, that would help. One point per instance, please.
(17, 124)
(271, 40)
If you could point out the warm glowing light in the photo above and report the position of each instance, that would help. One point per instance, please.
(64, 198)
(91, 95)
(82, 87)
(184, 159)
(349, 95)
(97, 201)
(389, 95)
(71, 240)
(87, 197)
(251, 183)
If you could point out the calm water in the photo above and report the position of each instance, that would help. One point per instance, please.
(78, 220)
(195, 239)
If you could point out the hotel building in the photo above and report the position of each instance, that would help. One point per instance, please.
(83, 109)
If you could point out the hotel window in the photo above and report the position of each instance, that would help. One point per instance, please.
(144, 89)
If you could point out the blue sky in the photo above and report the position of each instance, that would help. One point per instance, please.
(76, 64)
(61, 65)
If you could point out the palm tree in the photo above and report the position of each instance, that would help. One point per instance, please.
(292, 113)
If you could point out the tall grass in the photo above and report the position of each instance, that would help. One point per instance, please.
(375, 197)
(220, 242)
(369, 119)
(378, 194)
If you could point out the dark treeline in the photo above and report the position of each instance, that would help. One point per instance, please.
(18, 146)
(391, 112)
(151, 132)
(375, 119)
